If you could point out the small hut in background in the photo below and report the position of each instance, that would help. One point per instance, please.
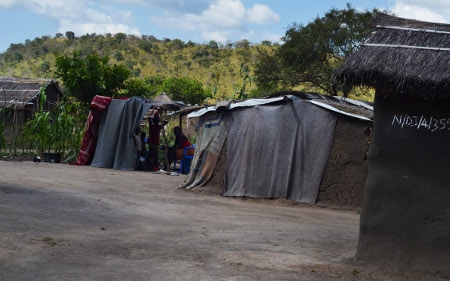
(19, 99)
(175, 109)
(405, 219)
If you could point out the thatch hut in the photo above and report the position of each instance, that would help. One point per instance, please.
(19, 100)
(405, 219)
(22, 93)
(163, 97)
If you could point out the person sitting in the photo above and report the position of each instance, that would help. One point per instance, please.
(176, 151)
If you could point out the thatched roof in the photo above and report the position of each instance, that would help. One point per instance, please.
(402, 57)
(18, 92)
(163, 97)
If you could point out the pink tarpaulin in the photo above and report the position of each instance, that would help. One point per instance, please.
(98, 105)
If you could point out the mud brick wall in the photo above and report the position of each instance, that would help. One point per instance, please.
(346, 172)
(405, 218)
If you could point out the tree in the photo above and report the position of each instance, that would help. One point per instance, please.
(311, 53)
(136, 87)
(120, 37)
(86, 76)
(266, 43)
(15, 47)
(185, 89)
(176, 44)
(146, 46)
(70, 35)
(243, 50)
(190, 44)
(118, 55)
(154, 84)
(242, 44)
(44, 67)
(268, 72)
(213, 44)
(114, 77)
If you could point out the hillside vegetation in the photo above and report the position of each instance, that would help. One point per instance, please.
(216, 66)
(235, 70)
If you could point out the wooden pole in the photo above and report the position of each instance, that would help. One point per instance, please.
(166, 144)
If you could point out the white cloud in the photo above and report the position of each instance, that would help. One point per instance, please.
(225, 13)
(261, 14)
(92, 15)
(270, 36)
(426, 10)
(6, 4)
(217, 36)
(80, 28)
(222, 20)
(215, 23)
(81, 17)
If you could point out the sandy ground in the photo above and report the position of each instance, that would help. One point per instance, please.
(63, 222)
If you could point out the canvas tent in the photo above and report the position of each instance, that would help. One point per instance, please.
(108, 140)
(268, 148)
(405, 219)
(116, 147)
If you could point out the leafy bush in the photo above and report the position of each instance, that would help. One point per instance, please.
(87, 76)
(59, 130)
(185, 89)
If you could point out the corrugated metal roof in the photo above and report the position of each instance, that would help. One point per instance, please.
(347, 107)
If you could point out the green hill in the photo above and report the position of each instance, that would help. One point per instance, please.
(215, 65)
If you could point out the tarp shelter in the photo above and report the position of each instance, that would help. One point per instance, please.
(274, 148)
(116, 147)
(405, 219)
(108, 140)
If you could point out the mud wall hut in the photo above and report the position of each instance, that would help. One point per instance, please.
(19, 100)
(308, 148)
(405, 219)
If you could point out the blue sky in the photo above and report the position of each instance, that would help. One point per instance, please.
(195, 20)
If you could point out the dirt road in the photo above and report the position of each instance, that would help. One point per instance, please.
(63, 222)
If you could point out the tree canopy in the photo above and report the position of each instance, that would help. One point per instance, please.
(310, 53)
(87, 76)
(268, 71)
(185, 89)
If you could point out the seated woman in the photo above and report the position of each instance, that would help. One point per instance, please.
(176, 151)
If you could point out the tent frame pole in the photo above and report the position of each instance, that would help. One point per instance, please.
(166, 144)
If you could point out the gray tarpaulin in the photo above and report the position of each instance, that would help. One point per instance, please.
(273, 151)
(278, 151)
(211, 135)
(116, 147)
